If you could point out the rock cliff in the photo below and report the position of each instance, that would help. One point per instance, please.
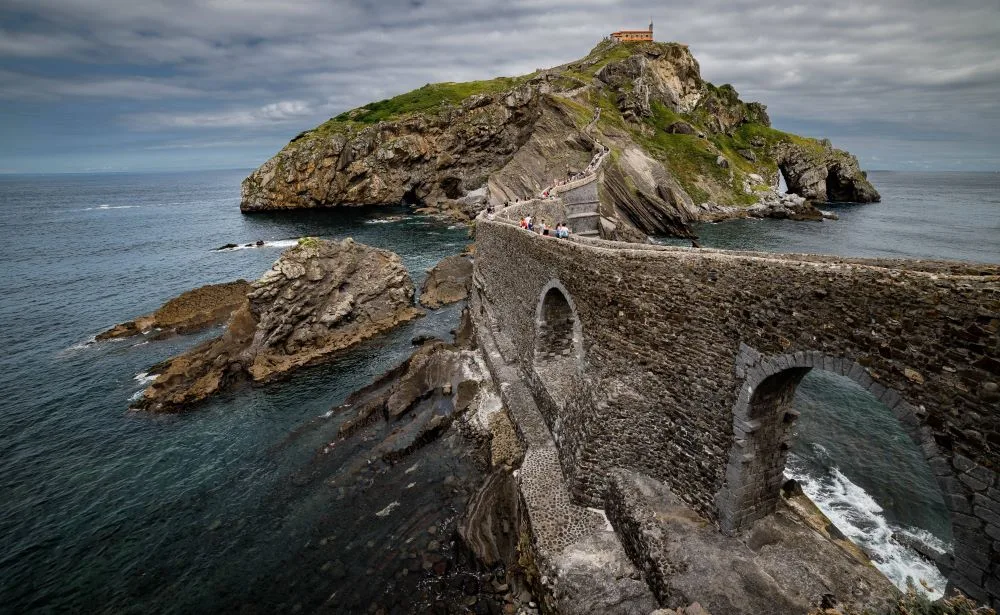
(681, 148)
(320, 297)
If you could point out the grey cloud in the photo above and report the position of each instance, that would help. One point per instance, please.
(280, 112)
(909, 67)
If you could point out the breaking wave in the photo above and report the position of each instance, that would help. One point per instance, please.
(859, 517)
(278, 243)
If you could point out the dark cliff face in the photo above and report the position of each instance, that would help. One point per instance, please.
(681, 148)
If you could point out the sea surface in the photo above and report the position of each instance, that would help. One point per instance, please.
(234, 506)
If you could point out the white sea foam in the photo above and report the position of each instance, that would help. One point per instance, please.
(105, 206)
(855, 513)
(384, 220)
(83, 345)
(279, 243)
(143, 378)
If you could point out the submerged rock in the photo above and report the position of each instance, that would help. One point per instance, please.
(448, 282)
(319, 298)
(188, 312)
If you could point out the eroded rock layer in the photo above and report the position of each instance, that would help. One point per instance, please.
(448, 282)
(188, 312)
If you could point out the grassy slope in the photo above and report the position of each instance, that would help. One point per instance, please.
(430, 97)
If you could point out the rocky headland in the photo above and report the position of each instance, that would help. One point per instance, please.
(188, 312)
(319, 298)
(682, 150)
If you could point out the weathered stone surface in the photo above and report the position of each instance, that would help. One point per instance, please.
(320, 297)
(785, 564)
(674, 344)
(188, 312)
(785, 206)
(447, 282)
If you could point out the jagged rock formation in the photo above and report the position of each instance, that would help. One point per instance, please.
(680, 147)
(320, 297)
(448, 282)
(823, 173)
(190, 311)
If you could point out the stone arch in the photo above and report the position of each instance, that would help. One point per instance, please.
(558, 348)
(762, 415)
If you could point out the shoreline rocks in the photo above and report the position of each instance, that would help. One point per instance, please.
(447, 282)
(188, 312)
(319, 298)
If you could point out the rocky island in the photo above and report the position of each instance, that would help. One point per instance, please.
(681, 149)
(319, 298)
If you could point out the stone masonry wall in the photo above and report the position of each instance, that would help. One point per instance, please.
(675, 340)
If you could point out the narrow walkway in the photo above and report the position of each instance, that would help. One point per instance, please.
(580, 192)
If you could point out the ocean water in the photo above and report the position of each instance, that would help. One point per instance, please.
(220, 508)
(233, 506)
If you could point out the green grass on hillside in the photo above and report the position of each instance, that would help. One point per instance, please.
(430, 96)
(689, 157)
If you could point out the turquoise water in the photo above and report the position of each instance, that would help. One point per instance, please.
(230, 507)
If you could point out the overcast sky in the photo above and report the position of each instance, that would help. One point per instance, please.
(117, 85)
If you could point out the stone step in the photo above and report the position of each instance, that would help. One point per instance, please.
(582, 208)
(588, 233)
(583, 214)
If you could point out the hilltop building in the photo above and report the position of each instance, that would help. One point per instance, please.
(623, 36)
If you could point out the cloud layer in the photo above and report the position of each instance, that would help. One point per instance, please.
(902, 83)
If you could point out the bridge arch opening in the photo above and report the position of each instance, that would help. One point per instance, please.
(558, 341)
(885, 498)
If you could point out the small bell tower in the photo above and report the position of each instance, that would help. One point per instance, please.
(651, 28)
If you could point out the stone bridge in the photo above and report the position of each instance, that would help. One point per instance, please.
(681, 364)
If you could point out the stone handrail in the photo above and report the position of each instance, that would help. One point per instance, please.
(513, 214)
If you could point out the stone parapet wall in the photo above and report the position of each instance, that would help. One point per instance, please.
(666, 335)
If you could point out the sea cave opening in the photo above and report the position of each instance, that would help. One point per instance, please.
(782, 182)
(853, 459)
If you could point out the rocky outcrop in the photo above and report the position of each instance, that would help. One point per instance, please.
(784, 207)
(821, 173)
(677, 146)
(664, 73)
(787, 563)
(447, 282)
(319, 298)
(188, 312)
(424, 157)
(640, 191)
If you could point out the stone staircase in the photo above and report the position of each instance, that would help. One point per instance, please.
(583, 209)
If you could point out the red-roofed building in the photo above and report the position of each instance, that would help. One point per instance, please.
(625, 36)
